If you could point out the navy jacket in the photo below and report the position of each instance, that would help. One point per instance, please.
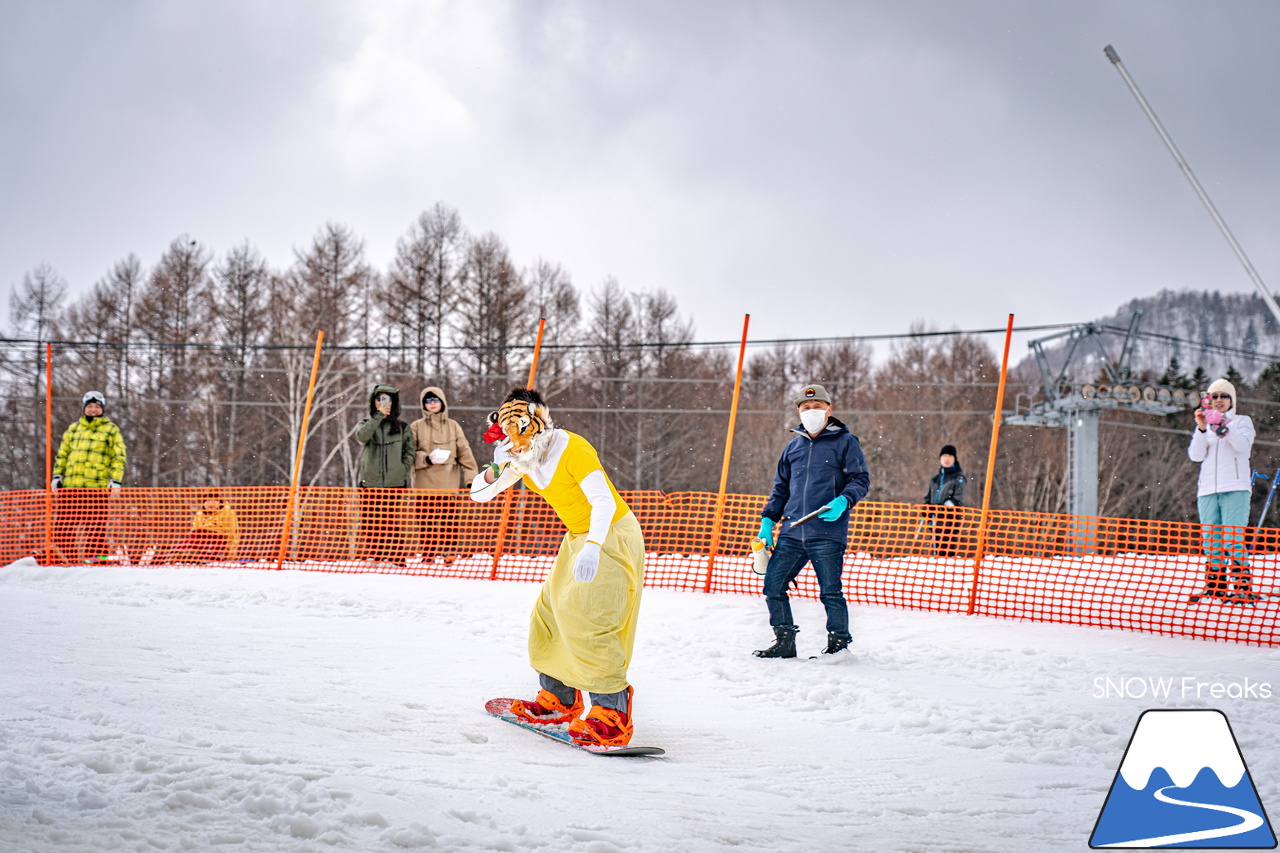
(811, 473)
(947, 485)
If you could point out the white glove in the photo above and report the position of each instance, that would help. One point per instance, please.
(588, 562)
(483, 492)
(949, 503)
(56, 483)
(113, 484)
(439, 456)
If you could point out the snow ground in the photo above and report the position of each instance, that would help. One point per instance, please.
(151, 709)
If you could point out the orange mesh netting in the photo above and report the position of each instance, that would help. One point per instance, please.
(1104, 572)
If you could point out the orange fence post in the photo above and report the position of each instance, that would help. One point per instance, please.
(537, 350)
(991, 469)
(717, 523)
(48, 452)
(297, 461)
(505, 519)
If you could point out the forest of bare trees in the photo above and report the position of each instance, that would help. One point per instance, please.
(205, 359)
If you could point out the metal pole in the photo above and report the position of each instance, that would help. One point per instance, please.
(1195, 184)
(1275, 481)
(1082, 461)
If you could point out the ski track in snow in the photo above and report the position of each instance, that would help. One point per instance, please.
(151, 709)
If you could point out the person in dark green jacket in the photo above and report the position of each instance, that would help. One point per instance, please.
(88, 468)
(385, 466)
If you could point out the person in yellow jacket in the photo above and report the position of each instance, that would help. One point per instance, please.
(442, 464)
(215, 533)
(88, 468)
(583, 626)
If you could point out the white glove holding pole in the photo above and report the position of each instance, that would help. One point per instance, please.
(439, 456)
(588, 563)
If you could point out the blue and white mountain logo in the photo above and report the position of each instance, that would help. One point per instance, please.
(1183, 783)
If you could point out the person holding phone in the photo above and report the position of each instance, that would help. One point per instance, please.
(385, 462)
(1222, 493)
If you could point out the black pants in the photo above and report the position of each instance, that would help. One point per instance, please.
(381, 535)
(437, 516)
(946, 531)
(77, 508)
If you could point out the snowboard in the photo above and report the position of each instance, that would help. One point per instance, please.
(500, 708)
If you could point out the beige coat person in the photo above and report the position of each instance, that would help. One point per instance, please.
(435, 432)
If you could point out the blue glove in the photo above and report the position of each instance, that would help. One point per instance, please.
(766, 531)
(833, 510)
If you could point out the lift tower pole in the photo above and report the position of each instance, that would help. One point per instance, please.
(1195, 184)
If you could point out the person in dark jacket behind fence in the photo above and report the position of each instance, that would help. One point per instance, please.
(385, 466)
(946, 490)
(822, 469)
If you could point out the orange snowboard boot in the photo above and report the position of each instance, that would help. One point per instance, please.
(547, 709)
(604, 726)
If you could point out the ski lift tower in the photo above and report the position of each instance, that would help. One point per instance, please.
(1078, 406)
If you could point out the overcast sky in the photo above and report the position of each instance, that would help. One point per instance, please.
(830, 168)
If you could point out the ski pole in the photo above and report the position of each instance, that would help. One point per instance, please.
(1271, 494)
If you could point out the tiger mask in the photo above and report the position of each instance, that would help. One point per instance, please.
(525, 419)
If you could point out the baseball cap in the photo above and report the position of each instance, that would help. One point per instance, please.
(813, 392)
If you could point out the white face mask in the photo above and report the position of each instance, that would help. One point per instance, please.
(813, 420)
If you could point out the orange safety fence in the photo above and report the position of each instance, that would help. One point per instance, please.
(1102, 572)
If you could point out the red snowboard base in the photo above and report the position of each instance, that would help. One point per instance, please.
(501, 708)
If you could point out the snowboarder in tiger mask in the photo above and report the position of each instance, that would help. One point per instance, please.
(583, 626)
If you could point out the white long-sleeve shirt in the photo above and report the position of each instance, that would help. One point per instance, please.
(595, 486)
(1224, 462)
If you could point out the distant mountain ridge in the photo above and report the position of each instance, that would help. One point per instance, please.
(1192, 326)
(1240, 321)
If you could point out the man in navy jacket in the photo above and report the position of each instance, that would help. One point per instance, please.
(822, 468)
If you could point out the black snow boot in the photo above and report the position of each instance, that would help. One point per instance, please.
(1215, 586)
(1242, 575)
(783, 647)
(835, 644)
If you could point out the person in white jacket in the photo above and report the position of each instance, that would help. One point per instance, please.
(1223, 493)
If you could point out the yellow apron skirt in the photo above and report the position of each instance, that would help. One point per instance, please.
(583, 633)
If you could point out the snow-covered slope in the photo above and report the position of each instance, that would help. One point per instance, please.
(207, 709)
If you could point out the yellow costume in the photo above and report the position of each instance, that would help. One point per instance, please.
(222, 522)
(581, 633)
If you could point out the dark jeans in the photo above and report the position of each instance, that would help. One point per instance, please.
(789, 557)
(565, 693)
